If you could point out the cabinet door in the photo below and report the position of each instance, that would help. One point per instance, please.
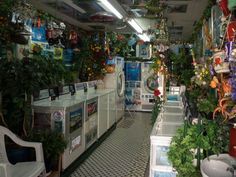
(112, 109)
(103, 115)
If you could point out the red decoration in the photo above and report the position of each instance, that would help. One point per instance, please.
(232, 142)
(73, 37)
(218, 61)
(157, 92)
(223, 4)
(231, 31)
(38, 23)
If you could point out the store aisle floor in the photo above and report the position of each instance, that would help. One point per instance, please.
(124, 153)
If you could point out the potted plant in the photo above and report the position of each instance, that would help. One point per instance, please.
(53, 143)
(19, 79)
(196, 142)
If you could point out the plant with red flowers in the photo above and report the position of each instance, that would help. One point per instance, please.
(157, 105)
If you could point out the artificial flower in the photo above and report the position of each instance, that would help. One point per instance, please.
(213, 84)
(157, 92)
(218, 61)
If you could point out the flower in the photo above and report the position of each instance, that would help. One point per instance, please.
(157, 92)
(218, 61)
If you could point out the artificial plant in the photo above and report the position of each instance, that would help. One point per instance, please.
(182, 69)
(210, 136)
(90, 61)
(157, 106)
(18, 80)
(54, 144)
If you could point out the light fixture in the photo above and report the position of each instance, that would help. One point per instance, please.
(111, 8)
(144, 37)
(134, 24)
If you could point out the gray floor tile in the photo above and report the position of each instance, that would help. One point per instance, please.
(124, 153)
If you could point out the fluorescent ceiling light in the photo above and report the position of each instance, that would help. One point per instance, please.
(134, 24)
(111, 8)
(144, 37)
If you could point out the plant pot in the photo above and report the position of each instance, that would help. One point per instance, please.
(48, 166)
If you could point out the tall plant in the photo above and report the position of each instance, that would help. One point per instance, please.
(18, 80)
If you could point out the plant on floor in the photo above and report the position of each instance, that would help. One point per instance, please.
(157, 106)
(18, 80)
(53, 143)
(211, 136)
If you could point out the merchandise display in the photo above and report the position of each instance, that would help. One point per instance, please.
(165, 127)
(133, 85)
(83, 69)
(116, 80)
(67, 117)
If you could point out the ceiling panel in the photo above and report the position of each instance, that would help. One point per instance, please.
(178, 13)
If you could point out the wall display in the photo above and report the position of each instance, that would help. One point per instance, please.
(133, 95)
(144, 51)
(39, 34)
(132, 71)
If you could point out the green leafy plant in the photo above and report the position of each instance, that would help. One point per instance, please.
(156, 107)
(18, 80)
(208, 137)
(53, 144)
(182, 69)
(207, 105)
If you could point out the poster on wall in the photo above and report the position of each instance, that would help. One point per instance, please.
(143, 51)
(46, 50)
(39, 34)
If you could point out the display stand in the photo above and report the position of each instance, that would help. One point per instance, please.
(168, 121)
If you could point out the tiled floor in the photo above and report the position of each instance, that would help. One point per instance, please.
(124, 153)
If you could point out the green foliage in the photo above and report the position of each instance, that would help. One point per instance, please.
(206, 14)
(53, 143)
(182, 69)
(156, 110)
(90, 61)
(18, 80)
(211, 136)
(207, 104)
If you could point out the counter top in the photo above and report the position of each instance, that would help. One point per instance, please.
(67, 100)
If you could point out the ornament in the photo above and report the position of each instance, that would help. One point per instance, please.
(223, 4)
(110, 68)
(231, 31)
(220, 66)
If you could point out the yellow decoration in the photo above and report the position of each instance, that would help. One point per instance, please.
(110, 68)
(213, 84)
